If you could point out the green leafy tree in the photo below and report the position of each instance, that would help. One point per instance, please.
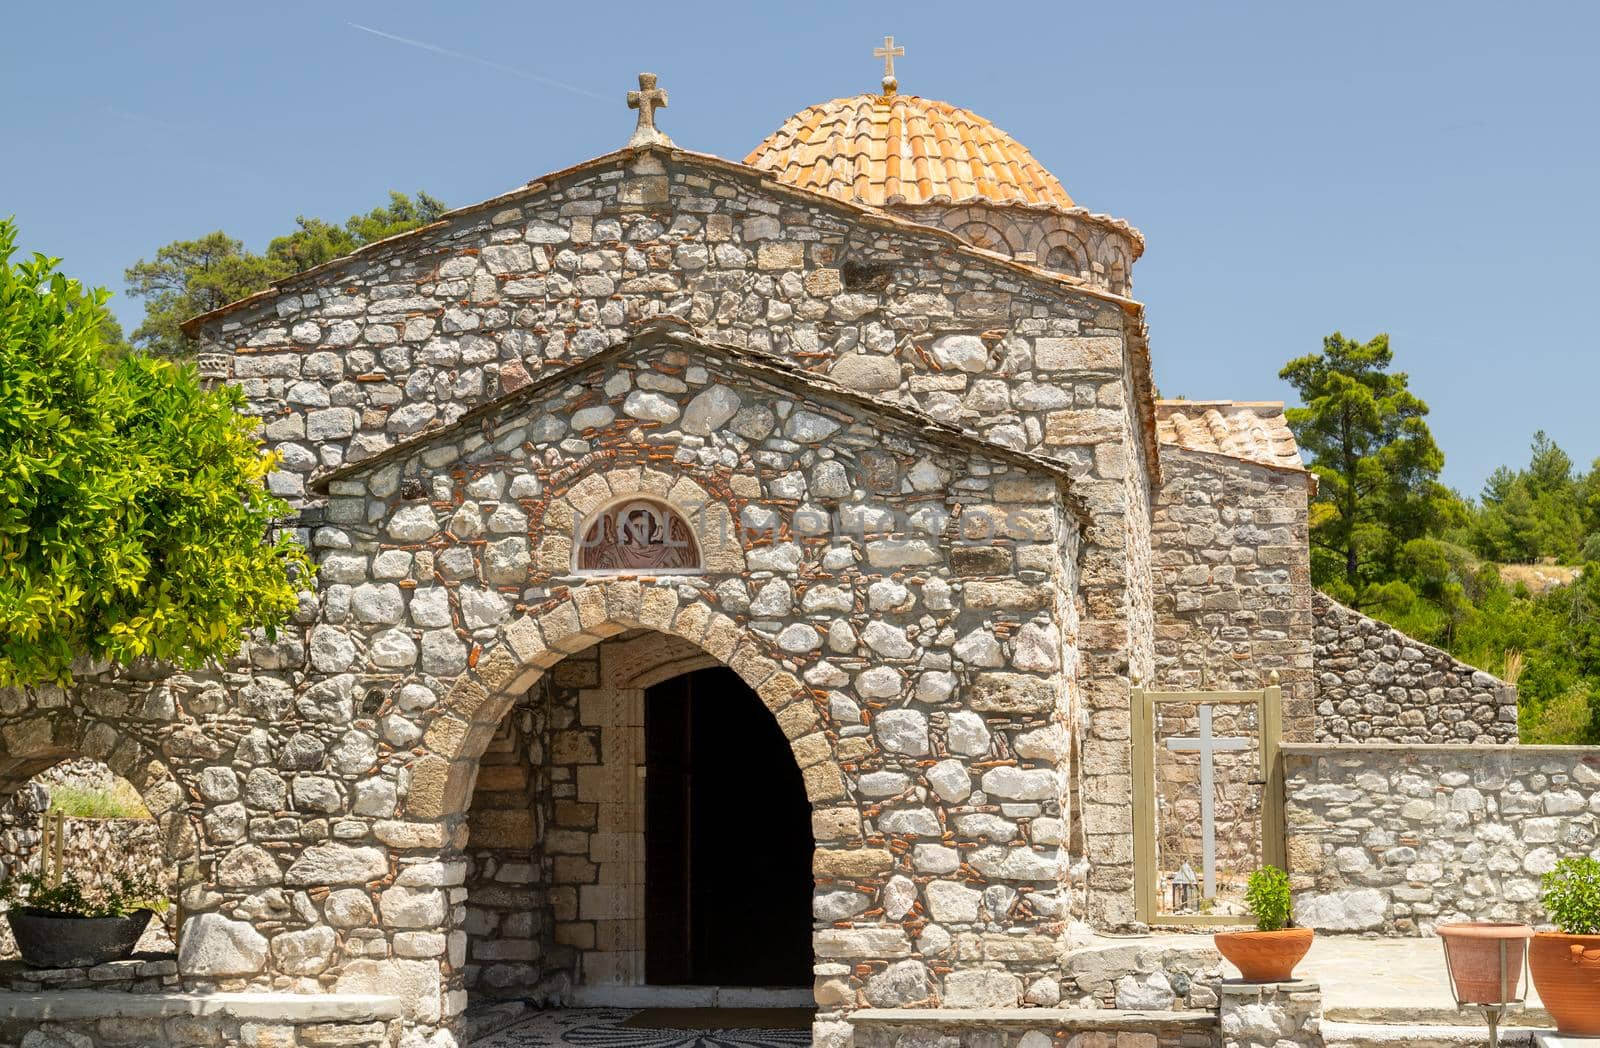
(1534, 513)
(133, 521)
(1376, 463)
(316, 241)
(190, 277)
(401, 215)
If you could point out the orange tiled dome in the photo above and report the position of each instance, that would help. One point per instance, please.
(901, 149)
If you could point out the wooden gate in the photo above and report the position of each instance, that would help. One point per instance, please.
(1180, 803)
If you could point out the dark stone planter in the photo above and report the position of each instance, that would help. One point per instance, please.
(48, 940)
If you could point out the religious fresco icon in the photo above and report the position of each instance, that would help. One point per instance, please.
(638, 536)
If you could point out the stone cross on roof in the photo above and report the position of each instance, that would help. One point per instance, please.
(888, 52)
(647, 100)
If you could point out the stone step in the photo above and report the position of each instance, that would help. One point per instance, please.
(1337, 1034)
(283, 1008)
(1550, 1039)
(1029, 1027)
(1390, 1014)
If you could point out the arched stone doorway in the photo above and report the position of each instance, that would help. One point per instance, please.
(639, 832)
(727, 893)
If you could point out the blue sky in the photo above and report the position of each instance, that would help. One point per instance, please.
(1429, 170)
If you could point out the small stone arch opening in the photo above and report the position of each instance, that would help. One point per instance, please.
(1064, 251)
(614, 800)
(80, 819)
(988, 236)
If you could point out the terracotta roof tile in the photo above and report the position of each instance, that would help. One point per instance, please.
(880, 150)
(1255, 431)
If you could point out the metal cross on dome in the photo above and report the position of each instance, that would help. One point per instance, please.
(647, 100)
(1207, 745)
(888, 52)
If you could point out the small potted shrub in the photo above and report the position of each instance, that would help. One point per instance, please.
(1269, 953)
(1566, 962)
(65, 926)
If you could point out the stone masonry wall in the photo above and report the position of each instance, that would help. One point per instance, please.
(943, 640)
(509, 918)
(1374, 682)
(1233, 581)
(897, 593)
(1397, 838)
(345, 361)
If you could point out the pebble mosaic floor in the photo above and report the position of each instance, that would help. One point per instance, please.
(602, 1028)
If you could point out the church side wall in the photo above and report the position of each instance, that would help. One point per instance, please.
(1233, 581)
(1376, 683)
(402, 340)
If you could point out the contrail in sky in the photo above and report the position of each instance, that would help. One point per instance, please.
(514, 71)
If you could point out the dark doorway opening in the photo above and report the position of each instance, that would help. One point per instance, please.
(727, 839)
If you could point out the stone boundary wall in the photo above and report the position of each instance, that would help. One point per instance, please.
(1374, 682)
(1397, 839)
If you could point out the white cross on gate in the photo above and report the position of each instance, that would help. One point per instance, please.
(1206, 745)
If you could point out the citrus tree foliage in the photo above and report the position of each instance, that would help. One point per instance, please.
(1571, 895)
(133, 520)
(190, 277)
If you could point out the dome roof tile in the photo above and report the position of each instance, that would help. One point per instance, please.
(902, 149)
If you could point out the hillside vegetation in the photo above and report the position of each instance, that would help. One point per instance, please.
(1508, 581)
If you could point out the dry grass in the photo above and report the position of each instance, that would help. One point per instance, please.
(1514, 665)
(1539, 578)
(119, 801)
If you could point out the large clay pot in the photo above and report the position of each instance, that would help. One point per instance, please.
(1566, 971)
(1472, 949)
(1265, 956)
(50, 940)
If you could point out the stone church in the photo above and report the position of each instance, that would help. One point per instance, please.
(740, 577)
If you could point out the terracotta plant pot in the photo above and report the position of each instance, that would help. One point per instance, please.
(1472, 950)
(1265, 956)
(1566, 971)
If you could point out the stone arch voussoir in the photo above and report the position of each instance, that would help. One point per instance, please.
(443, 776)
(46, 726)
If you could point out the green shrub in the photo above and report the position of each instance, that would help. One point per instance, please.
(1267, 895)
(71, 899)
(1572, 895)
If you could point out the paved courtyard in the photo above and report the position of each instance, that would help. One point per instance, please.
(1390, 981)
(604, 1028)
